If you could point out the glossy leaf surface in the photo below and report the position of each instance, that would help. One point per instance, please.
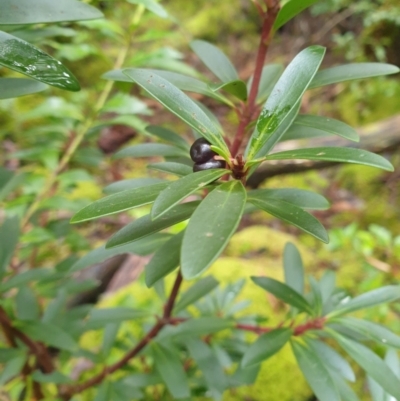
(119, 202)
(178, 103)
(293, 215)
(369, 299)
(315, 372)
(22, 57)
(215, 60)
(236, 88)
(145, 225)
(149, 150)
(289, 10)
(336, 154)
(132, 183)
(16, 87)
(283, 292)
(168, 136)
(172, 168)
(298, 197)
(182, 188)
(285, 96)
(265, 346)
(211, 227)
(352, 71)
(164, 261)
(293, 268)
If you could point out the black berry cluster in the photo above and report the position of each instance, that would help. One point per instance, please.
(203, 156)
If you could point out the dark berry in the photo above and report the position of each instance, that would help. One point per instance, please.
(209, 165)
(200, 151)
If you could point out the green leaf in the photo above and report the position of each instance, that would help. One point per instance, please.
(9, 180)
(168, 136)
(150, 150)
(326, 125)
(123, 185)
(345, 391)
(22, 57)
(142, 247)
(201, 326)
(215, 60)
(153, 6)
(352, 71)
(197, 291)
(49, 334)
(172, 168)
(55, 377)
(7, 354)
(21, 12)
(371, 363)
(293, 268)
(289, 10)
(12, 368)
(285, 97)
(178, 103)
(98, 318)
(164, 261)
(236, 88)
(211, 227)
(178, 190)
(27, 307)
(336, 154)
(24, 278)
(373, 331)
(298, 197)
(9, 233)
(146, 226)
(265, 346)
(332, 359)
(293, 215)
(284, 293)
(269, 76)
(119, 202)
(316, 373)
(16, 87)
(109, 338)
(170, 368)
(208, 363)
(381, 295)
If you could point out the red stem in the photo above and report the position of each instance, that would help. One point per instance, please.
(250, 108)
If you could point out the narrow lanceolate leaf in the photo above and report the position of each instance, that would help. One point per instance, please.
(142, 247)
(215, 60)
(285, 96)
(316, 373)
(9, 181)
(101, 317)
(381, 295)
(372, 364)
(352, 71)
(172, 168)
(179, 104)
(179, 190)
(9, 233)
(170, 368)
(22, 57)
(164, 261)
(45, 11)
(298, 197)
(269, 76)
(132, 183)
(293, 268)
(332, 358)
(145, 225)
(150, 150)
(236, 88)
(373, 331)
(283, 292)
(16, 87)
(336, 154)
(197, 291)
(12, 368)
(119, 202)
(168, 136)
(202, 326)
(328, 125)
(266, 345)
(211, 227)
(292, 215)
(289, 10)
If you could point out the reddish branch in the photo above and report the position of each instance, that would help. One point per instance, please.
(250, 108)
(68, 391)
